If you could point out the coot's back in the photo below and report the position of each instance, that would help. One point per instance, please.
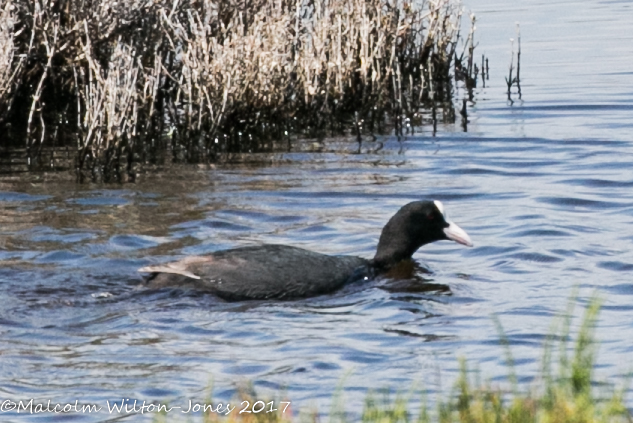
(261, 272)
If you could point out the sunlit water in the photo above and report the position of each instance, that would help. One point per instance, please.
(543, 186)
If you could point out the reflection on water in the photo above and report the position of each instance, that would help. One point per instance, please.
(543, 188)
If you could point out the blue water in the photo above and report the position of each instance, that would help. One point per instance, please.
(542, 185)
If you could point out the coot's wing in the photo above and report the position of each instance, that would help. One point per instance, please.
(180, 267)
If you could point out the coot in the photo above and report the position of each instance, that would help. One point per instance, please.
(284, 272)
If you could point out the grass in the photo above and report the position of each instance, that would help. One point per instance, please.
(119, 81)
(568, 396)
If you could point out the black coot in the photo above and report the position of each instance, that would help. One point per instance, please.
(284, 272)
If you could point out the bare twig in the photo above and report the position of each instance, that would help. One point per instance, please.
(50, 46)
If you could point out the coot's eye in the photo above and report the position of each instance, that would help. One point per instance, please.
(430, 216)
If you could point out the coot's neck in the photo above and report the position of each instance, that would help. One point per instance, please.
(392, 250)
(384, 263)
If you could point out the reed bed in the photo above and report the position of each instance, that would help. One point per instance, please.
(121, 81)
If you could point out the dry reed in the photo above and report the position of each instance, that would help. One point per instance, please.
(119, 81)
(10, 65)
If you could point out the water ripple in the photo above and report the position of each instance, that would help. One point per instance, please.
(535, 257)
(597, 183)
(575, 202)
(617, 266)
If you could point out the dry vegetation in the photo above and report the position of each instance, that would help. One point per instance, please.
(120, 80)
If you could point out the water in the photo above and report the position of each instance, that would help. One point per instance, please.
(543, 186)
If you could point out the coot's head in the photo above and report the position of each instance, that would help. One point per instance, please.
(414, 225)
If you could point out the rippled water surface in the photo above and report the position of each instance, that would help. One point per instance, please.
(543, 186)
